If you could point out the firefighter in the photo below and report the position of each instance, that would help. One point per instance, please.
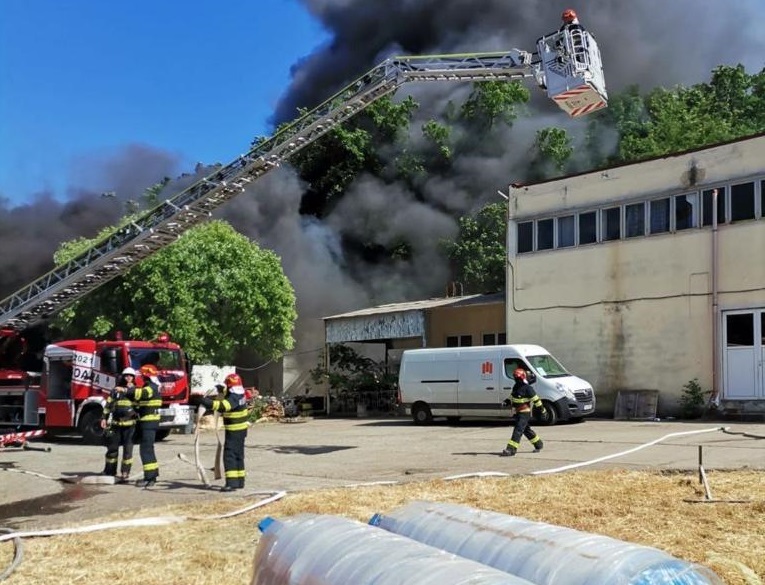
(570, 20)
(148, 400)
(231, 403)
(522, 397)
(119, 418)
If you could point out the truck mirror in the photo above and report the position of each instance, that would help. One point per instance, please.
(531, 378)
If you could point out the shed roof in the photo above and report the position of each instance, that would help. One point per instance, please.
(477, 299)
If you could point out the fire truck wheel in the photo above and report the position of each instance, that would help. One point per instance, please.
(90, 427)
(162, 434)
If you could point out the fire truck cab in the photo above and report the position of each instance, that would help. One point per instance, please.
(77, 376)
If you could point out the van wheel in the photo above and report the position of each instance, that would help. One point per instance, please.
(421, 414)
(551, 416)
(162, 435)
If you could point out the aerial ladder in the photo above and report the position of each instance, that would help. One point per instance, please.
(566, 65)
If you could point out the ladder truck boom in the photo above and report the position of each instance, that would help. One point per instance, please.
(567, 66)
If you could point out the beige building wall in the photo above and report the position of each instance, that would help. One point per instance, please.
(473, 320)
(637, 313)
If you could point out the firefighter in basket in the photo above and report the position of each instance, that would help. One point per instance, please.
(119, 418)
(232, 405)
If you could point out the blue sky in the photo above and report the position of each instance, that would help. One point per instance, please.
(196, 78)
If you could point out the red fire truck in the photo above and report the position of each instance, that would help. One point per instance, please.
(76, 377)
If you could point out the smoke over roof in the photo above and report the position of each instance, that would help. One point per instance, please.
(646, 42)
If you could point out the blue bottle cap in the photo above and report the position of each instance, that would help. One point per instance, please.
(264, 524)
(375, 520)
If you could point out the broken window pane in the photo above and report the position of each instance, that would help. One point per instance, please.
(686, 211)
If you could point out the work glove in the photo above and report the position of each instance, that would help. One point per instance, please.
(507, 402)
(206, 402)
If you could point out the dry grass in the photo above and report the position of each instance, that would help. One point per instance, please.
(642, 507)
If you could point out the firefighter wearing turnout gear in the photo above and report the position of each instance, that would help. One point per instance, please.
(148, 400)
(119, 419)
(232, 404)
(523, 397)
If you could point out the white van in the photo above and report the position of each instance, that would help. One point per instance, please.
(457, 382)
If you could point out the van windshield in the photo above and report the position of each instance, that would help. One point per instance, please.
(547, 366)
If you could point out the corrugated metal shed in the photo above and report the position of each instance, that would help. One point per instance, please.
(393, 321)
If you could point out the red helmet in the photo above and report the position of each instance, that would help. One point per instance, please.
(519, 374)
(568, 15)
(233, 380)
(149, 370)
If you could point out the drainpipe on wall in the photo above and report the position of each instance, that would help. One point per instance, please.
(511, 252)
(715, 398)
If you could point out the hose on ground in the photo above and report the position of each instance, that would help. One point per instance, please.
(17, 537)
(18, 554)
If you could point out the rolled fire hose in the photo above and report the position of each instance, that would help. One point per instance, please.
(200, 470)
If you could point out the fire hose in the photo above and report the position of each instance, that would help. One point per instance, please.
(17, 537)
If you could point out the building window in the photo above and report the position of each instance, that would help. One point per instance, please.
(544, 234)
(566, 231)
(659, 216)
(588, 232)
(634, 223)
(706, 206)
(742, 202)
(494, 338)
(612, 228)
(526, 237)
(459, 341)
(686, 211)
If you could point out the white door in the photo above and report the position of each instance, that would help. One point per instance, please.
(743, 354)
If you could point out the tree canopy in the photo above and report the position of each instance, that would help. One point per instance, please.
(214, 290)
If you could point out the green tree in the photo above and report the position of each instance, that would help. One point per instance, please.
(493, 102)
(479, 252)
(214, 290)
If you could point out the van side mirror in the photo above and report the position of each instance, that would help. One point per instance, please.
(531, 378)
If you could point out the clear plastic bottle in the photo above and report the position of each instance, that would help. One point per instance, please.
(544, 554)
(330, 550)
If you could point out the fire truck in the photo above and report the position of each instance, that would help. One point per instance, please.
(566, 65)
(77, 376)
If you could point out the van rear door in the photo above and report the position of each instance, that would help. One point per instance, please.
(479, 389)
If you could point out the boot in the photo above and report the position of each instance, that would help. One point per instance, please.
(538, 446)
(508, 452)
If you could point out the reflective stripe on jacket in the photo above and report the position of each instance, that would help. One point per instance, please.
(234, 410)
(149, 402)
(523, 396)
(119, 406)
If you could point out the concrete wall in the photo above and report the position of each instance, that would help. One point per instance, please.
(637, 313)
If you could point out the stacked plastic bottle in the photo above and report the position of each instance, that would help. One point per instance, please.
(330, 550)
(544, 554)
